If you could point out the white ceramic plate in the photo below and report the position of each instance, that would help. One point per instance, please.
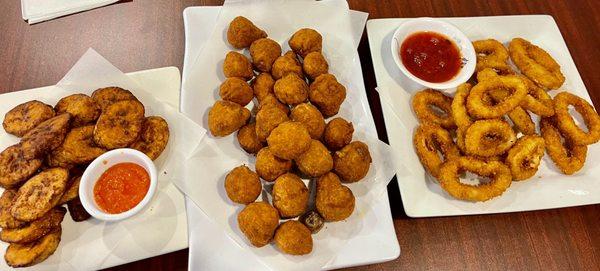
(212, 249)
(160, 229)
(421, 195)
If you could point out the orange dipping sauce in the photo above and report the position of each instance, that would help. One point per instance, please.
(121, 187)
(430, 56)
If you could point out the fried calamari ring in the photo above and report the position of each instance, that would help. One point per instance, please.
(107, 96)
(430, 139)
(14, 168)
(479, 108)
(154, 137)
(489, 138)
(536, 63)
(524, 157)
(82, 108)
(491, 54)
(498, 172)
(426, 104)
(568, 157)
(522, 120)
(120, 124)
(458, 109)
(77, 148)
(26, 116)
(566, 124)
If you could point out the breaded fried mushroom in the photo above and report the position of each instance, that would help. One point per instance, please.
(306, 40)
(287, 63)
(291, 89)
(237, 65)
(262, 86)
(334, 201)
(327, 94)
(314, 64)
(289, 140)
(226, 117)
(258, 221)
(338, 133)
(311, 117)
(236, 90)
(242, 32)
(264, 52)
(290, 195)
(242, 185)
(352, 162)
(292, 237)
(267, 119)
(248, 139)
(316, 161)
(269, 166)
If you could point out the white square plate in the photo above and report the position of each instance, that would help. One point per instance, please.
(421, 195)
(159, 229)
(210, 246)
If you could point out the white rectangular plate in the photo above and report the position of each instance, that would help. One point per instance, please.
(421, 195)
(212, 249)
(162, 228)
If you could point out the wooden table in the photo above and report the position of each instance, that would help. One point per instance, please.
(138, 35)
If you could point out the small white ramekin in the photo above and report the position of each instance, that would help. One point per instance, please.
(93, 172)
(465, 46)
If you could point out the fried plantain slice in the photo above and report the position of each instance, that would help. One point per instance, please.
(72, 191)
(24, 117)
(7, 221)
(76, 210)
(107, 96)
(36, 229)
(22, 255)
(45, 137)
(77, 148)
(154, 137)
(14, 168)
(40, 194)
(120, 124)
(82, 108)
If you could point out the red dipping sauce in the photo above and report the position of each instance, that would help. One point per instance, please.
(430, 56)
(121, 187)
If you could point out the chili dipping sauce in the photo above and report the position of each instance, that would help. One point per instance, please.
(431, 56)
(121, 187)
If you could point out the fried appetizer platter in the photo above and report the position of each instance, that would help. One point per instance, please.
(487, 129)
(42, 172)
(287, 129)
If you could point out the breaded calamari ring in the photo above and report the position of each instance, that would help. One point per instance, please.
(524, 157)
(26, 116)
(458, 108)
(40, 194)
(479, 108)
(429, 139)
(519, 116)
(154, 137)
(82, 108)
(45, 137)
(423, 103)
(566, 124)
(14, 168)
(489, 138)
(23, 255)
(120, 124)
(568, 157)
(107, 96)
(491, 54)
(536, 63)
(77, 148)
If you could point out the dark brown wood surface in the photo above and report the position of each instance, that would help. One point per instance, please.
(144, 34)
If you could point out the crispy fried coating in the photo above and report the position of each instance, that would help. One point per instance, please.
(536, 63)
(566, 124)
(262, 86)
(40, 194)
(72, 190)
(14, 168)
(237, 65)
(338, 133)
(269, 166)
(264, 52)
(290, 195)
(306, 40)
(45, 137)
(311, 117)
(316, 161)
(36, 229)
(236, 90)
(431, 140)
(242, 32)
(7, 221)
(491, 54)
(242, 185)
(82, 108)
(426, 100)
(524, 158)
(287, 63)
(568, 156)
(490, 137)
(226, 117)
(267, 119)
(292, 237)
(327, 94)
(258, 221)
(291, 89)
(479, 108)
(271, 100)
(154, 137)
(77, 148)
(76, 210)
(120, 124)
(107, 96)
(24, 117)
(334, 201)
(315, 64)
(23, 255)
(289, 140)
(352, 162)
(248, 139)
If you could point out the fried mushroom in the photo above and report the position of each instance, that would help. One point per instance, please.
(314, 64)
(292, 237)
(242, 185)
(242, 32)
(316, 161)
(262, 86)
(269, 166)
(248, 139)
(236, 90)
(311, 117)
(237, 65)
(327, 94)
(291, 89)
(264, 52)
(290, 195)
(287, 63)
(352, 162)
(226, 117)
(338, 133)
(334, 201)
(289, 140)
(258, 221)
(306, 40)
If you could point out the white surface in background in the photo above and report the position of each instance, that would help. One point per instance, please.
(35, 11)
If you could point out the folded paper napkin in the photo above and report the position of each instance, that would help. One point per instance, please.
(35, 11)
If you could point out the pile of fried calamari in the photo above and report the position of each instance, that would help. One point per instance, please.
(42, 172)
(477, 130)
(293, 94)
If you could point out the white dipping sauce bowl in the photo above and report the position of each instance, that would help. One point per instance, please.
(469, 58)
(93, 172)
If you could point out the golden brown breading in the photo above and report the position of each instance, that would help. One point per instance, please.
(262, 86)
(22, 255)
(242, 32)
(293, 238)
(14, 168)
(338, 133)
(311, 117)
(316, 161)
(72, 190)
(120, 124)
(237, 65)
(76, 210)
(291, 89)
(77, 148)
(82, 108)
(334, 201)
(352, 162)
(306, 40)
(287, 63)
(226, 117)
(290, 195)
(154, 137)
(24, 117)
(236, 90)
(327, 94)
(242, 185)
(289, 140)
(248, 139)
(314, 64)
(107, 96)
(40, 194)
(36, 229)
(271, 100)
(267, 119)
(258, 221)
(45, 137)
(7, 221)
(269, 166)
(264, 52)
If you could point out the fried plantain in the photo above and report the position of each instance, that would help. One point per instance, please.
(120, 124)
(22, 255)
(77, 148)
(71, 192)
(45, 137)
(107, 96)
(40, 194)
(76, 210)
(154, 137)
(14, 168)
(7, 221)
(36, 229)
(82, 108)
(24, 117)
